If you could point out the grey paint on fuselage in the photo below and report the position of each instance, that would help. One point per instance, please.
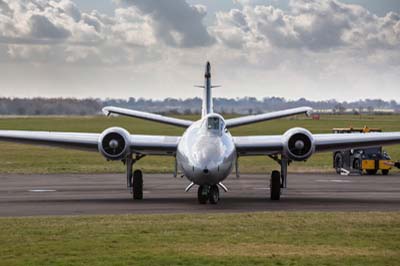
(206, 153)
(206, 156)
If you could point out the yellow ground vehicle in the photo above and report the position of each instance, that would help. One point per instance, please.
(370, 160)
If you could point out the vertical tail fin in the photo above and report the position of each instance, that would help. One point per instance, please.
(207, 107)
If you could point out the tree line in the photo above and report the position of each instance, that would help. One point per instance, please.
(245, 105)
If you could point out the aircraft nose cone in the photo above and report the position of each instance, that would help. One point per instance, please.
(205, 171)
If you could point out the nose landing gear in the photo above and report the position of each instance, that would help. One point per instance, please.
(208, 193)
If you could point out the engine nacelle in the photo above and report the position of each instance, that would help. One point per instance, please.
(114, 143)
(298, 144)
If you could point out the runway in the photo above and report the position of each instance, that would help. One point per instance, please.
(76, 194)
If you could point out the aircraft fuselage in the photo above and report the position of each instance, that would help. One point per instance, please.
(206, 152)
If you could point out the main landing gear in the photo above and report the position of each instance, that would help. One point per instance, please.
(278, 179)
(275, 185)
(134, 179)
(137, 185)
(208, 193)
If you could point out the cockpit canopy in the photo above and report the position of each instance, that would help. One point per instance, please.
(215, 123)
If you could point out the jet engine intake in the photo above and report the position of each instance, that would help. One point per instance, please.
(114, 143)
(298, 144)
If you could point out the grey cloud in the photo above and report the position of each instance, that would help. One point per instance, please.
(43, 28)
(71, 9)
(37, 19)
(93, 21)
(176, 22)
(57, 31)
(5, 8)
(310, 24)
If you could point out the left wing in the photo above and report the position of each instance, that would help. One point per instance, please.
(143, 144)
(336, 142)
(267, 145)
(258, 145)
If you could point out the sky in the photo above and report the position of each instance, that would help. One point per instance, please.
(320, 50)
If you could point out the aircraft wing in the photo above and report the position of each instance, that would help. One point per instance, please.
(267, 145)
(244, 120)
(147, 116)
(335, 142)
(258, 145)
(143, 144)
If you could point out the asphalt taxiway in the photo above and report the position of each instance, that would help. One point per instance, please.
(76, 194)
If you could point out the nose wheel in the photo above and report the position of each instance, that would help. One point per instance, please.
(208, 193)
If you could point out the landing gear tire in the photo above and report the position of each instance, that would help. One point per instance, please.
(137, 182)
(275, 185)
(213, 195)
(202, 194)
(385, 172)
(357, 166)
(372, 172)
(338, 163)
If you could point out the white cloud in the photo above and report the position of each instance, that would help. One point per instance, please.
(324, 49)
(309, 24)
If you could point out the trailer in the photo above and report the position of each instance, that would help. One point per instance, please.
(360, 161)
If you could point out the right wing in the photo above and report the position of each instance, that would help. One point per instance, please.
(72, 140)
(147, 116)
(140, 144)
(250, 119)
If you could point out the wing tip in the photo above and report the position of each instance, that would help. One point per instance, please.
(309, 110)
(105, 111)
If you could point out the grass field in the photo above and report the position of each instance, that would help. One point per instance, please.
(224, 239)
(17, 158)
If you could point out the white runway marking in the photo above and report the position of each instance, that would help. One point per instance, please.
(261, 188)
(334, 180)
(42, 190)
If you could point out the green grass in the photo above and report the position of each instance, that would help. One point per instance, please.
(202, 239)
(17, 158)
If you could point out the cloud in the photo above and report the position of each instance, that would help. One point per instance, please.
(36, 21)
(176, 22)
(308, 24)
(318, 47)
(42, 28)
(60, 32)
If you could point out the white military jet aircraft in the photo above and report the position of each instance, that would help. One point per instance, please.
(206, 153)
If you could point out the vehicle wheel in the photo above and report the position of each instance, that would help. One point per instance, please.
(357, 165)
(202, 194)
(137, 182)
(372, 172)
(338, 162)
(275, 185)
(385, 172)
(213, 195)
